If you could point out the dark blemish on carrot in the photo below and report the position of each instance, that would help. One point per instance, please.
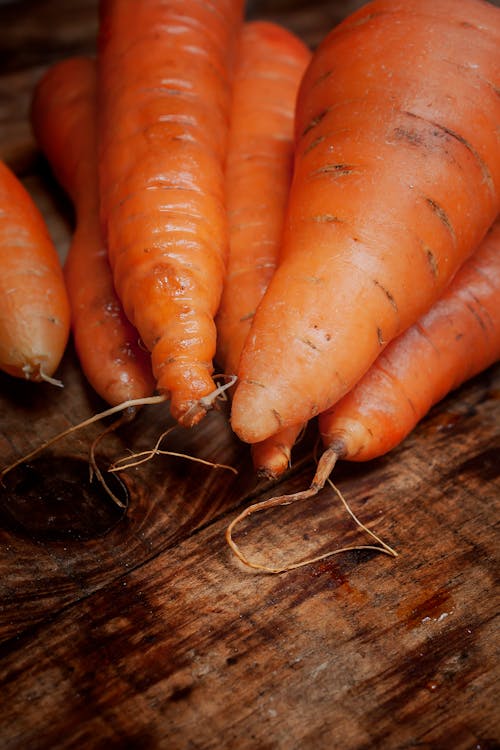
(477, 316)
(307, 342)
(338, 170)
(432, 262)
(412, 136)
(254, 382)
(314, 143)
(315, 121)
(387, 294)
(484, 169)
(421, 330)
(380, 337)
(327, 219)
(278, 417)
(442, 216)
(412, 405)
(452, 134)
(248, 316)
(314, 410)
(323, 77)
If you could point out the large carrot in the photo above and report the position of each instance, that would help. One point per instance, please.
(458, 338)
(34, 309)
(64, 117)
(164, 93)
(269, 67)
(396, 181)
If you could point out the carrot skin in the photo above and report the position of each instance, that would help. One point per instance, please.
(164, 100)
(458, 338)
(34, 314)
(64, 118)
(396, 181)
(269, 66)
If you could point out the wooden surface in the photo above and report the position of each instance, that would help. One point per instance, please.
(137, 628)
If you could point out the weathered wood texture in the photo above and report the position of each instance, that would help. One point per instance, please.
(137, 628)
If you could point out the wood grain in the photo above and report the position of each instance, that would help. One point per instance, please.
(137, 628)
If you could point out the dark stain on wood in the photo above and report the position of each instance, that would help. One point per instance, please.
(53, 499)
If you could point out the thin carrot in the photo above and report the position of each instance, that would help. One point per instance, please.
(34, 309)
(272, 457)
(64, 117)
(269, 67)
(458, 338)
(164, 92)
(396, 182)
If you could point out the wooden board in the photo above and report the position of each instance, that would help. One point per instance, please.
(137, 628)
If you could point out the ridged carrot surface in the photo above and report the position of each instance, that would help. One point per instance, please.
(164, 93)
(396, 182)
(34, 308)
(269, 67)
(64, 117)
(458, 338)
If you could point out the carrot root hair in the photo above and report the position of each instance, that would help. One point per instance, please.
(325, 466)
(131, 405)
(134, 459)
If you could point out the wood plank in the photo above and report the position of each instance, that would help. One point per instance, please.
(361, 651)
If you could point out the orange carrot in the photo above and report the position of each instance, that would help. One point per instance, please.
(34, 309)
(270, 64)
(269, 67)
(164, 92)
(64, 117)
(458, 338)
(396, 182)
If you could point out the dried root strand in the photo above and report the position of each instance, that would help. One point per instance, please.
(135, 459)
(321, 477)
(131, 404)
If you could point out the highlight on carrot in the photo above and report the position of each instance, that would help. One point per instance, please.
(64, 120)
(270, 63)
(164, 93)
(396, 181)
(455, 340)
(34, 313)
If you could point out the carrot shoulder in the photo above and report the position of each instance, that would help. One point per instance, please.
(64, 117)
(34, 309)
(458, 338)
(164, 91)
(270, 63)
(396, 181)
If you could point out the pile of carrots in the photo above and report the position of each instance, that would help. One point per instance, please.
(322, 225)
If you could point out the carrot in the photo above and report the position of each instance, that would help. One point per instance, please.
(269, 67)
(64, 117)
(164, 92)
(34, 312)
(270, 64)
(396, 181)
(458, 338)
(272, 457)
